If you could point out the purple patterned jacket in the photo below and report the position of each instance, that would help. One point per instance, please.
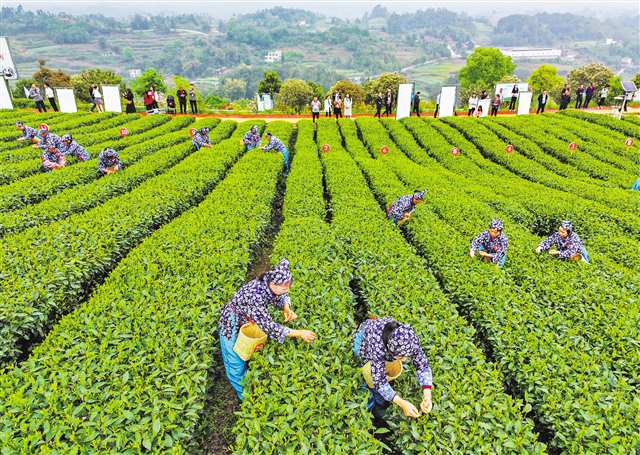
(497, 247)
(566, 247)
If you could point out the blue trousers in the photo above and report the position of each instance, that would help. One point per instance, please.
(248, 147)
(235, 367)
(585, 255)
(501, 261)
(376, 402)
(285, 155)
(636, 185)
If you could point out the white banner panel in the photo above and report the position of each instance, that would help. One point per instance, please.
(66, 100)
(524, 103)
(403, 105)
(111, 96)
(26, 92)
(486, 105)
(260, 103)
(507, 87)
(267, 101)
(5, 96)
(447, 101)
(7, 67)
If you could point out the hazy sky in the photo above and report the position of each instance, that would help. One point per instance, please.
(346, 9)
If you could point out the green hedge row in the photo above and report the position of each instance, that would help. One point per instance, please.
(83, 197)
(627, 128)
(528, 334)
(140, 386)
(47, 272)
(42, 185)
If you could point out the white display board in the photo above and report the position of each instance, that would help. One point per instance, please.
(260, 103)
(403, 105)
(111, 96)
(524, 103)
(486, 105)
(268, 102)
(7, 67)
(447, 102)
(507, 87)
(26, 92)
(66, 100)
(5, 96)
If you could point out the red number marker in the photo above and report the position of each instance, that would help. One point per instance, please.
(573, 146)
(192, 131)
(124, 132)
(384, 150)
(455, 151)
(628, 142)
(326, 148)
(44, 126)
(509, 148)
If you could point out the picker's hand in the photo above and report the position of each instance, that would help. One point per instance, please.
(554, 253)
(288, 314)
(484, 254)
(472, 253)
(404, 219)
(408, 409)
(305, 335)
(426, 404)
(538, 250)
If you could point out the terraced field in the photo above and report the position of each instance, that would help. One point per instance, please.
(111, 287)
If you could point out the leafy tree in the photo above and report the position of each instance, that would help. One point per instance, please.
(55, 78)
(636, 80)
(380, 85)
(149, 78)
(295, 94)
(593, 72)
(234, 89)
(615, 86)
(180, 82)
(318, 89)
(127, 54)
(85, 79)
(545, 77)
(485, 67)
(270, 84)
(354, 90)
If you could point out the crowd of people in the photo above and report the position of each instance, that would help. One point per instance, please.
(334, 104)
(56, 150)
(584, 95)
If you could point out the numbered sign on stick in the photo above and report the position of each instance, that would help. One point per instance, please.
(44, 126)
(325, 148)
(192, 132)
(628, 142)
(573, 146)
(384, 150)
(124, 132)
(509, 148)
(455, 151)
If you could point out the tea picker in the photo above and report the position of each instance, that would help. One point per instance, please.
(52, 159)
(70, 147)
(380, 345)
(491, 244)
(276, 144)
(251, 139)
(401, 210)
(109, 162)
(636, 185)
(245, 322)
(569, 244)
(201, 138)
(28, 133)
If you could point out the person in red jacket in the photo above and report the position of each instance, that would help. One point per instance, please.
(148, 99)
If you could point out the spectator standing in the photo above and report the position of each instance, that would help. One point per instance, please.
(97, 97)
(473, 104)
(193, 103)
(93, 101)
(36, 96)
(435, 113)
(337, 107)
(604, 93)
(379, 104)
(348, 104)
(565, 97)
(542, 101)
(416, 104)
(483, 95)
(130, 106)
(579, 96)
(479, 111)
(48, 92)
(155, 98)
(591, 90)
(327, 106)
(315, 108)
(148, 100)
(182, 99)
(388, 103)
(495, 104)
(515, 92)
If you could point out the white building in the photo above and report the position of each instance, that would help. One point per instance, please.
(135, 73)
(531, 53)
(273, 56)
(610, 41)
